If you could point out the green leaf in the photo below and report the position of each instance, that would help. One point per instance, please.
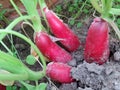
(28, 86)
(6, 82)
(42, 86)
(58, 8)
(85, 11)
(1, 5)
(79, 25)
(14, 87)
(30, 60)
(23, 88)
(11, 63)
(72, 22)
(11, 88)
(114, 11)
(96, 5)
(8, 88)
(75, 5)
(118, 21)
(2, 14)
(30, 6)
(71, 9)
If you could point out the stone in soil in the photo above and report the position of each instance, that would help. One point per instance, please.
(117, 56)
(71, 86)
(84, 88)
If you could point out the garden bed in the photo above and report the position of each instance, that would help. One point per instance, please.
(88, 76)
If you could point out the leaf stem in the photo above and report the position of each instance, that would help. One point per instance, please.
(12, 25)
(106, 7)
(31, 8)
(13, 76)
(42, 4)
(96, 5)
(6, 47)
(32, 44)
(16, 8)
(78, 13)
(114, 11)
(114, 26)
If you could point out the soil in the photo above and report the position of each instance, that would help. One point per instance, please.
(87, 76)
(93, 76)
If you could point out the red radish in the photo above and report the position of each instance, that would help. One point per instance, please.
(2, 87)
(59, 72)
(61, 30)
(97, 42)
(50, 49)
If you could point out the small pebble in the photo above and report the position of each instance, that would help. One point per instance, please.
(71, 86)
(84, 88)
(117, 56)
(72, 63)
(109, 70)
(117, 86)
(20, 46)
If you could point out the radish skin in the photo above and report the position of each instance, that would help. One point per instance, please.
(61, 30)
(2, 87)
(97, 42)
(59, 72)
(50, 49)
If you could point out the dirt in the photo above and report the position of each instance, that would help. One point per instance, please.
(93, 76)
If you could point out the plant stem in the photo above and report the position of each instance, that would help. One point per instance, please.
(10, 63)
(15, 22)
(114, 26)
(15, 66)
(31, 8)
(78, 13)
(13, 76)
(13, 49)
(96, 5)
(6, 47)
(28, 86)
(114, 11)
(16, 8)
(103, 5)
(42, 6)
(35, 75)
(28, 41)
(106, 7)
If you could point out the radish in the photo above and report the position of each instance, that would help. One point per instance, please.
(50, 49)
(61, 30)
(2, 87)
(59, 72)
(97, 42)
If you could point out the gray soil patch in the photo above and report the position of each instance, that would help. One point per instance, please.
(93, 76)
